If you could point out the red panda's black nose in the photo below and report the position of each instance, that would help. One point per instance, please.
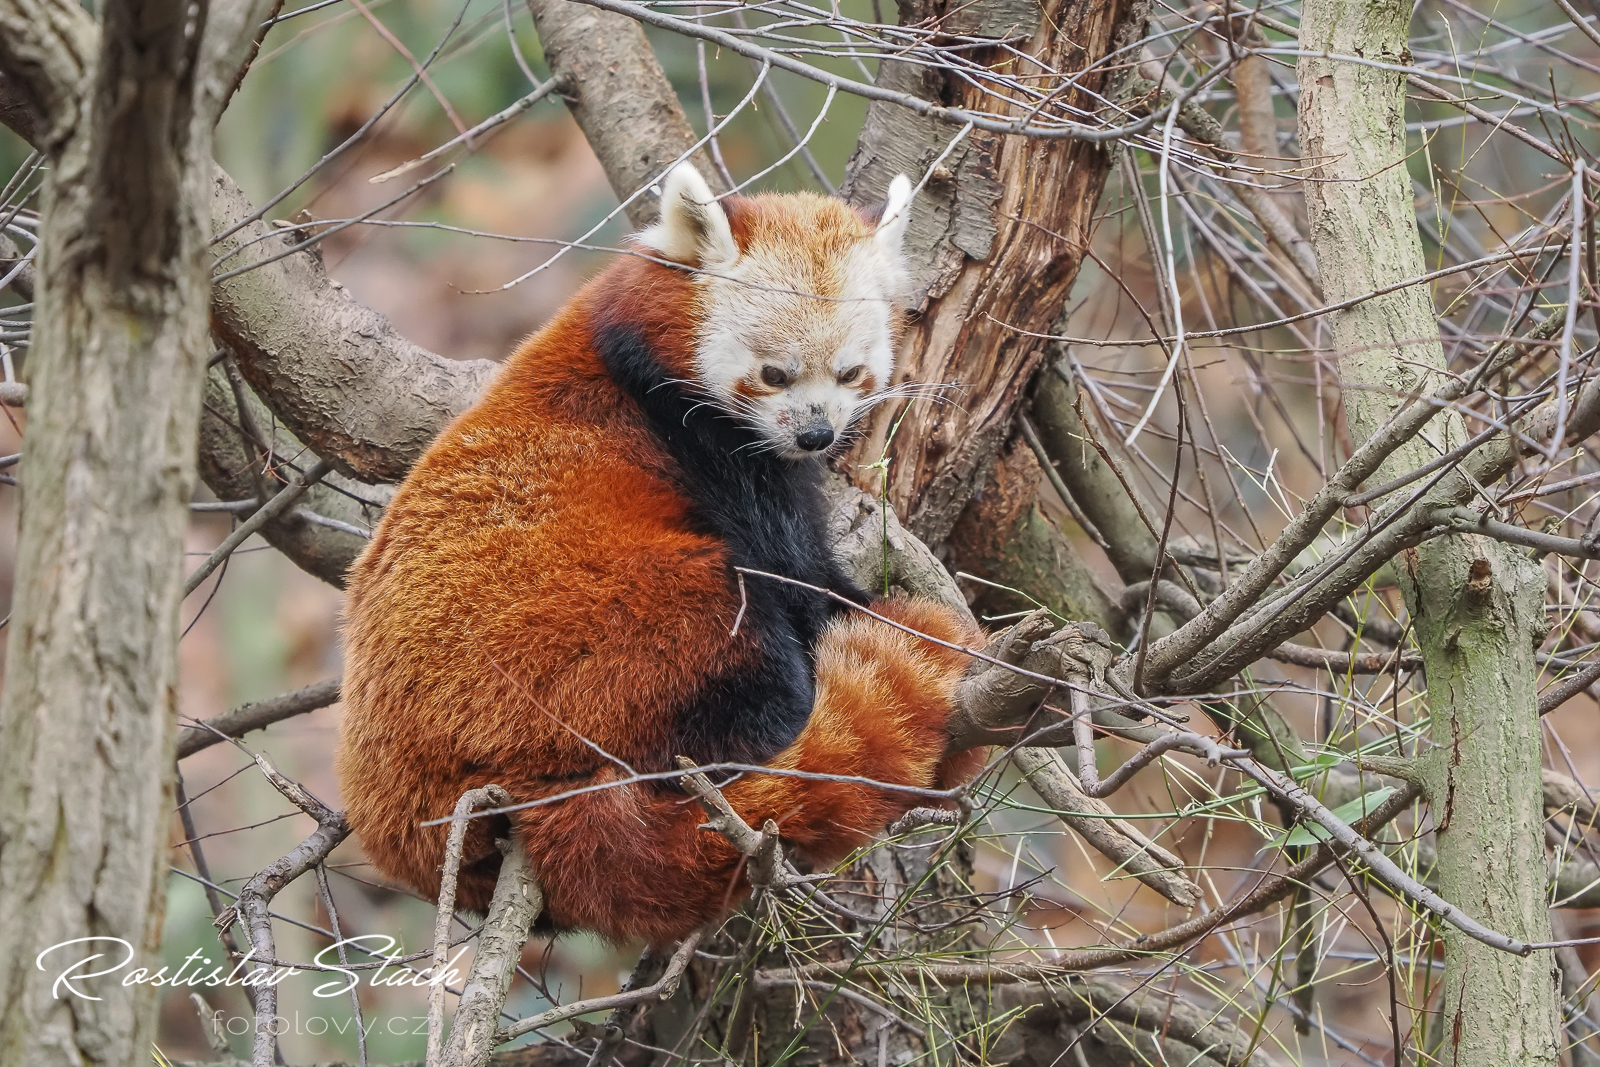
(814, 438)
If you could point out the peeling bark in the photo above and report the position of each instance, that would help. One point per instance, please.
(998, 244)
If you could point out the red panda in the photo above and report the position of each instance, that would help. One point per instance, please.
(550, 601)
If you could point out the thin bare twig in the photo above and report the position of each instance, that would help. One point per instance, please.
(662, 989)
(257, 715)
(263, 515)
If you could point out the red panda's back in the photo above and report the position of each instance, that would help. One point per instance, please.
(534, 585)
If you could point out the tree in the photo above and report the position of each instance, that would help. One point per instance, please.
(122, 290)
(1390, 571)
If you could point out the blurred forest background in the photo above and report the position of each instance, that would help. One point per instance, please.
(445, 280)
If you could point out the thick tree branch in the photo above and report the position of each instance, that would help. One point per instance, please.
(337, 373)
(517, 902)
(1026, 123)
(996, 208)
(47, 48)
(118, 358)
(623, 103)
(489, 796)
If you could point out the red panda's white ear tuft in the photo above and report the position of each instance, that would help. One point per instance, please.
(693, 227)
(896, 213)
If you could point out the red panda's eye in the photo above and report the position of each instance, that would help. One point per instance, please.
(851, 376)
(774, 376)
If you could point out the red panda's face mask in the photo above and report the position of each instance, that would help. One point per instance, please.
(798, 304)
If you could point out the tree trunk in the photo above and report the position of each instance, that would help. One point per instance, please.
(88, 712)
(1477, 606)
(998, 235)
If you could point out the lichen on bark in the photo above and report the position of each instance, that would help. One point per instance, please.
(1477, 606)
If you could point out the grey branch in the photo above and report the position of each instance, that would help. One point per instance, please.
(46, 48)
(998, 705)
(255, 900)
(490, 796)
(263, 515)
(258, 715)
(998, 698)
(616, 91)
(231, 458)
(1381, 865)
(13, 263)
(662, 989)
(515, 905)
(296, 336)
(767, 866)
(877, 552)
(1569, 687)
(1113, 838)
(1465, 520)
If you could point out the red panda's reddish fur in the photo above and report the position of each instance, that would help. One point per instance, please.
(536, 592)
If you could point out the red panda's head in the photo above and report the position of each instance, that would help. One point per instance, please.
(798, 298)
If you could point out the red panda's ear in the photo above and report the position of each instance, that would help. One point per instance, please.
(896, 213)
(693, 228)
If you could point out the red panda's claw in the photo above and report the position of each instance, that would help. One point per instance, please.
(1012, 645)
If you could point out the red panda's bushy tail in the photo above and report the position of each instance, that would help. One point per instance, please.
(631, 862)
